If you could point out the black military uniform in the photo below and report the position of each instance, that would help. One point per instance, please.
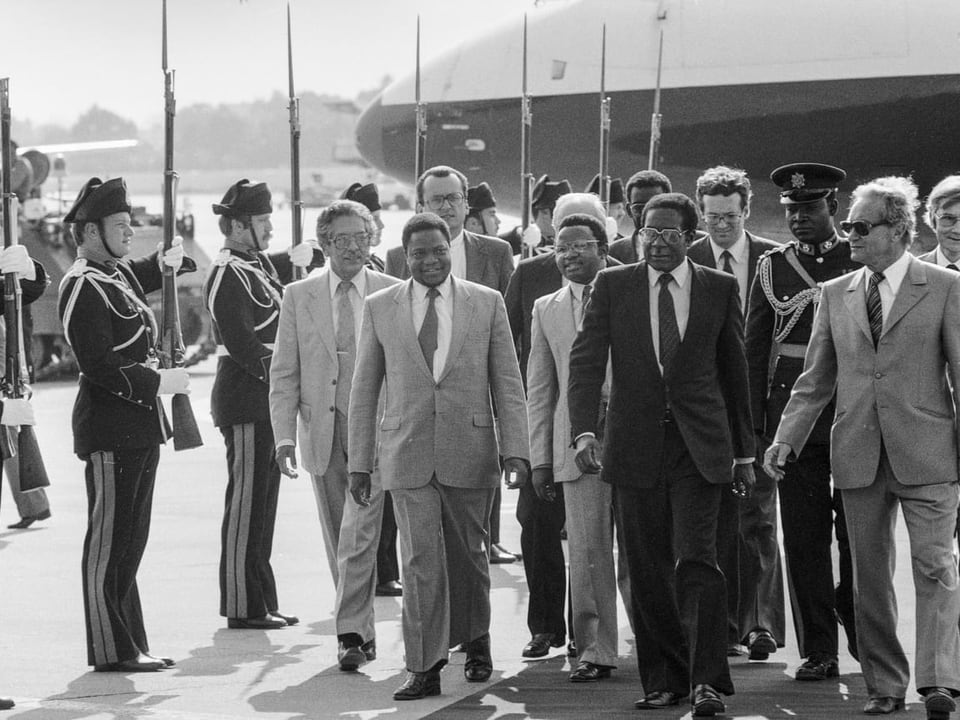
(118, 425)
(782, 304)
(243, 292)
(544, 196)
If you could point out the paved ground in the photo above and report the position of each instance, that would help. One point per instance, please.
(291, 673)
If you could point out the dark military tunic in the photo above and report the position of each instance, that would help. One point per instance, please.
(779, 324)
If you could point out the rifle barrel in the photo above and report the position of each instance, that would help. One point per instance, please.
(526, 128)
(296, 205)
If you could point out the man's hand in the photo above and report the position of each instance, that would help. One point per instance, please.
(775, 458)
(172, 258)
(301, 255)
(589, 453)
(174, 381)
(17, 412)
(15, 259)
(518, 468)
(287, 460)
(360, 488)
(743, 480)
(543, 484)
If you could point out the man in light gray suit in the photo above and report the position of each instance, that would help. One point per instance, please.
(580, 253)
(887, 337)
(441, 349)
(310, 378)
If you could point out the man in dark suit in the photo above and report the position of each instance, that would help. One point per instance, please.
(640, 188)
(674, 334)
(747, 545)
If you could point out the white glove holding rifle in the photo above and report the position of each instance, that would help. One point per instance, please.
(301, 255)
(173, 257)
(15, 259)
(174, 381)
(17, 412)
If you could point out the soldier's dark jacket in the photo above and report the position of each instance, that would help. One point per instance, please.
(781, 310)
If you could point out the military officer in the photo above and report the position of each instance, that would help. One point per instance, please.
(243, 292)
(783, 299)
(118, 420)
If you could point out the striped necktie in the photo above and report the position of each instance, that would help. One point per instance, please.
(875, 307)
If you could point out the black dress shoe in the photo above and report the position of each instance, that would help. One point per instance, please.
(589, 672)
(6, 703)
(882, 705)
(500, 556)
(288, 619)
(707, 702)
(350, 657)
(540, 645)
(572, 649)
(818, 669)
(28, 521)
(659, 699)
(391, 588)
(370, 650)
(267, 622)
(419, 685)
(761, 644)
(137, 664)
(479, 665)
(939, 703)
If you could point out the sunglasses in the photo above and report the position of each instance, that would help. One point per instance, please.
(861, 227)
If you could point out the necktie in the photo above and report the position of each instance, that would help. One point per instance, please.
(584, 299)
(346, 345)
(669, 331)
(727, 267)
(428, 331)
(875, 307)
(951, 266)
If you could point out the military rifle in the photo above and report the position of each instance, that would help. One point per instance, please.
(186, 434)
(526, 127)
(296, 205)
(421, 146)
(604, 125)
(15, 442)
(656, 118)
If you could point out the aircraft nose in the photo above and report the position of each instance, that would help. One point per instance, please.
(369, 132)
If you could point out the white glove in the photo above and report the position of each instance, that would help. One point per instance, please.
(16, 259)
(612, 229)
(173, 257)
(17, 412)
(532, 235)
(175, 381)
(301, 255)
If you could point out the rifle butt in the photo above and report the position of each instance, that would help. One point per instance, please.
(186, 434)
(33, 473)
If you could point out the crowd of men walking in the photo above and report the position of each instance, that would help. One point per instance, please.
(662, 389)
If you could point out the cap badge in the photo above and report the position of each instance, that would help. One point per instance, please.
(797, 180)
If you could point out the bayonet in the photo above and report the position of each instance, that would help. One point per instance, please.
(604, 125)
(526, 128)
(421, 143)
(296, 204)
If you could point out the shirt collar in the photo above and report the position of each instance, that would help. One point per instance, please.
(680, 274)
(359, 282)
(420, 290)
(576, 289)
(457, 239)
(738, 250)
(942, 259)
(893, 274)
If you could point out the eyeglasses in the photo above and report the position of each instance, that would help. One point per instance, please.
(345, 240)
(435, 202)
(671, 236)
(637, 208)
(728, 218)
(861, 227)
(579, 247)
(947, 220)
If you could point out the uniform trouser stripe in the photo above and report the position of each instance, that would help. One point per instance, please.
(240, 498)
(97, 558)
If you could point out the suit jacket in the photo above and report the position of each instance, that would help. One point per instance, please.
(898, 393)
(554, 330)
(702, 254)
(447, 427)
(706, 387)
(534, 277)
(489, 261)
(303, 371)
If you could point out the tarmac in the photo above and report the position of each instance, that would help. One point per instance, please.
(292, 673)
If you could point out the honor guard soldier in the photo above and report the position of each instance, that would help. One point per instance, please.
(482, 217)
(783, 300)
(118, 419)
(616, 205)
(369, 196)
(243, 292)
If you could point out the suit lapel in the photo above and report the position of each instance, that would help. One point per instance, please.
(403, 297)
(562, 318)
(913, 287)
(753, 257)
(474, 257)
(641, 314)
(463, 309)
(856, 303)
(321, 312)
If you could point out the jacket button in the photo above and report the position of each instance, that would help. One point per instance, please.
(332, 409)
(878, 375)
(333, 382)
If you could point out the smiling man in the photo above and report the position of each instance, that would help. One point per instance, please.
(943, 216)
(887, 340)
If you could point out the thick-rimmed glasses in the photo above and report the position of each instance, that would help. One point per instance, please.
(671, 236)
(579, 247)
(435, 202)
(343, 241)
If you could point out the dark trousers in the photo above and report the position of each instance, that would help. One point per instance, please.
(810, 513)
(388, 569)
(119, 499)
(543, 562)
(728, 558)
(679, 591)
(247, 585)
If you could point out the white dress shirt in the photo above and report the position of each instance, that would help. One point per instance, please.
(890, 285)
(739, 262)
(458, 257)
(680, 291)
(357, 293)
(444, 306)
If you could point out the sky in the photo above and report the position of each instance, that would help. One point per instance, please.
(62, 56)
